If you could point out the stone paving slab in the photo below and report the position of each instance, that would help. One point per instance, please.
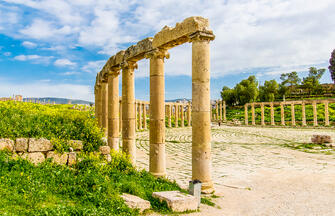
(136, 202)
(177, 201)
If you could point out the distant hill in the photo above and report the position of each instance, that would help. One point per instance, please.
(58, 100)
(178, 99)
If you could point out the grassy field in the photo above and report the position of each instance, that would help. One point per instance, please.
(91, 187)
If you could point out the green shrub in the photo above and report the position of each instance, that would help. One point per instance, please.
(58, 123)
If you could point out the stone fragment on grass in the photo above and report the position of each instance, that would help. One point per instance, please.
(72, 159)
(135, 202)
(177, 201)
(34, 157)
(105, 150)
(321, 139)
(76, 144)
(57, 157)
(39, 145)
(108, 157)
(21, 144)
(6, 144)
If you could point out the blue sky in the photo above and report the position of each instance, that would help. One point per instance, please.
(56, 47)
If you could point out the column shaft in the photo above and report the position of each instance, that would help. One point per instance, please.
(282, 114)
(176, 114)
(326, 113)
(246, 120)
(315, 114)
(128, 111)
(140, 116)
(105, 107)
(262, 114)
(189, 116)
(169, 107)
(292, 114)
(224, 111)
(253, 122)
(303, 114)
(144, 116)
(157, 164)
(201, 126)
(182, 115)
(113, 112)
(272, 113)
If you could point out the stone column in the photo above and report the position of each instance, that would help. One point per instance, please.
(95, 101)
(176, 114)
(282, 114)
(292, 114)
(157, 164)
(326, 113)
(220, 110)
(113, 111)
(182, 115)
(246, 114)
(189, 116)
(169, 107)
(140, 116)
(253, 122)
(99, 106)
(315, 114)
(303, 114)
(104, 98)
(128, 110)
(262, 114)
(144, 115)
(224, 111)
(136, 118)
(217, 110)
(272, 113)
(201, 120)
(120, 115)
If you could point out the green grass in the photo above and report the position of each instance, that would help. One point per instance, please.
(92, 187)
(58, 123)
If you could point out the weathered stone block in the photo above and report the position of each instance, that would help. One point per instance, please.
(135, 202)
(57, 157)
(177, 201)
(34, 157)
(108, 157)
(321, 139)
(39, 145)
(181, 31)
(76, 144)
(105, 150)
(21, 144)
(72, 159)
(7, 144)
(137, 52)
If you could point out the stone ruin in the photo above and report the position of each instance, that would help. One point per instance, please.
(194, 30)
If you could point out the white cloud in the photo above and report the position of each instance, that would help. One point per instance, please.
(64, 63)
(41, 29)
(29, 44)
(93, 66)
(47, 89)
(36, 59)
(7, 53)
(69, 73)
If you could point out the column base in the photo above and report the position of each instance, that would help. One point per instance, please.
(157, 175)
(113, 143)
(207, 187)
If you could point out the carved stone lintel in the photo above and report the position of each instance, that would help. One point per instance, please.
(129, 64)
(157, 53)
(201, 35)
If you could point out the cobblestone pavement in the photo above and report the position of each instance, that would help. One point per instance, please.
(252, 162)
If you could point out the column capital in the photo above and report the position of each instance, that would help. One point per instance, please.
(157, 53)
(128, 65)
(201, 36)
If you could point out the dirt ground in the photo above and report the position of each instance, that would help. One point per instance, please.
(254, 173)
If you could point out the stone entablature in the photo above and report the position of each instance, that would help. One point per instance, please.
(292, 104)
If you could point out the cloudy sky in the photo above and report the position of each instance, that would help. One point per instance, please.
(56, 47)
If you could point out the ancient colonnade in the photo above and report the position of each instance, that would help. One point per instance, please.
(194, 30)
(292, 104)
(220, 111)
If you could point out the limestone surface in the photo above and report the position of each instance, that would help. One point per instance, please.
(72, 158)
(177, 201)
(57, 157)
(6, 144)
(34, 157)
(105, 150)
(39, 145)
(21, 144)
(135, 202)
(76, 144)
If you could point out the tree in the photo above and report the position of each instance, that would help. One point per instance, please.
(228, 95)
(289, 80)
(312, 82)
(269, 91)
(246, 91)
(332, 65)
